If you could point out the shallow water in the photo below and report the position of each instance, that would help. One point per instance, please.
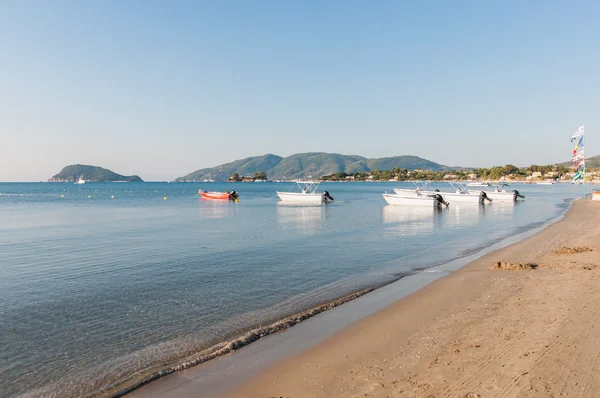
(95, 290)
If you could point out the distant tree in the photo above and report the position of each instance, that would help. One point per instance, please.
(235, 177)
(510, 169)
(260, 175)
(361, 176)
(561, 170)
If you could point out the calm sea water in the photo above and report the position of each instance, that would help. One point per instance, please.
(96, 290)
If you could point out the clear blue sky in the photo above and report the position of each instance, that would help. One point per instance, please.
(161, 88)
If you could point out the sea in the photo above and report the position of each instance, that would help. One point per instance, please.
(105, 284)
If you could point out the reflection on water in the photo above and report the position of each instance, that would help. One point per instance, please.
(408, 220)
(216, 209)
(465, 214)
(305, 219)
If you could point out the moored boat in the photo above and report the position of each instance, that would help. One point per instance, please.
(407, 199)
(308, 194)
(232, 195)
(460, 195)
(500, 194)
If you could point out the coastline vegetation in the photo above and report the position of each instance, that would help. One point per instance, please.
(508, 172)
(498, 173)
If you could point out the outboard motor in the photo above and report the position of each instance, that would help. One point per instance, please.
(483, 197)
(517, 195)
(439, 200)
(328, 196)
(234, 196)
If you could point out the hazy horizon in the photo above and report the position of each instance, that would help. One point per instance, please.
(232, 160)
(163, 89)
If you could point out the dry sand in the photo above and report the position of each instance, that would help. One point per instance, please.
(523, 321)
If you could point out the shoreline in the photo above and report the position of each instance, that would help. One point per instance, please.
(163, 386)
(234, 344)
(476, 332)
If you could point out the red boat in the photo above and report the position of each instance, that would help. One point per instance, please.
(219, 195)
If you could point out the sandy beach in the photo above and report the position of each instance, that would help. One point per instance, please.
(523, 321)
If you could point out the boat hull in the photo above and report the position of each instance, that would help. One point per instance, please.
(497, 196)
(215, 195)
(407, 200)
(448, 196)
(302, 198)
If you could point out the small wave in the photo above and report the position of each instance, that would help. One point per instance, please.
(230, 346)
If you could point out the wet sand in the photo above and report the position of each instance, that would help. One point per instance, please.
(523, 321)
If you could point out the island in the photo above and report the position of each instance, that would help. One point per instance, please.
(86, 173)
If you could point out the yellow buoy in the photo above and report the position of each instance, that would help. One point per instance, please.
(165, 198)
(62, 196)
(21, 194)
(112, 197)
(89, 196)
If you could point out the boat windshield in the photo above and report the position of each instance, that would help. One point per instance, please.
(308, 186)
(498, 188)
(421, 185)
(458, 187)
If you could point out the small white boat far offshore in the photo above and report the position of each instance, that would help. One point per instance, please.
(545, 183)
(80, 181)
(308, 194)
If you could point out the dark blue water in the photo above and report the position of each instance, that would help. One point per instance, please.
(105, 283)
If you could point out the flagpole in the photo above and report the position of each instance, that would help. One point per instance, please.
(584, 181)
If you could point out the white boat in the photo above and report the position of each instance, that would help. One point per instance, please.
(80, 181)
(545, 183)
(308, 194)
(406, 199)
(460, 195)
(500, 194)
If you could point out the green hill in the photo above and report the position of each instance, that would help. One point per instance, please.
(309, 165)
(247, 166)
(590, 163)
(74, 172)
(404, 162)
(593, 162)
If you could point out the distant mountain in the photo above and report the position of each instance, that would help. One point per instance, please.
(314, 164)
(309, 165)
(73, 172)
(590, 163)
(405, 162)
(243, 167)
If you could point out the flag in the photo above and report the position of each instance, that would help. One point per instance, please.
(578, 133)
(578, 158)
